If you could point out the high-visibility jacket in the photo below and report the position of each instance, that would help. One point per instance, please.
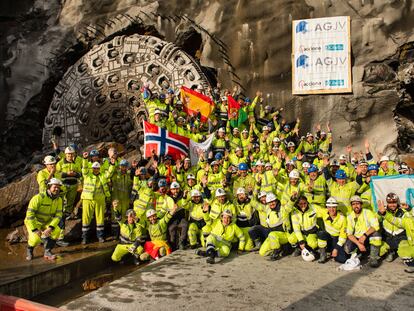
(310, 148)
(195, 210)
(335, 227)
(217, 208)
(391, 171)
(319, 189)
(215, 180)
(357, 225)
(289, 190)
(43, 211)
(304, 222)
(144, 198)
(263, 211)
(246, 182)
(162, 203)
(158, 231)
(227, 234)
(218, 144)
(42, 179)
(244, 214)
(394, 226)
(95, 187)
(343, 194)
(121, 186)
(167, 171)
(324, 144)
(268, 182)
(406, 222)
(64, 167)
(235, 160)
(276, 219)
(130, 233)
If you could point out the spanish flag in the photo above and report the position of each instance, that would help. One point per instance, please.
(195, 103)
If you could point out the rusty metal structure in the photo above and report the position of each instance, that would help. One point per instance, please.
(99, 99)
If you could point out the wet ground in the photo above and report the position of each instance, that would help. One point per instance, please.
(14, 267)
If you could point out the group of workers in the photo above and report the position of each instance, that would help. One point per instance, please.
(262, 187)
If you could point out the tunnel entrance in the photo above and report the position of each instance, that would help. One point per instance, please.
(98, 98)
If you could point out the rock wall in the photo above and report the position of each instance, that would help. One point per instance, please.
(247, 43)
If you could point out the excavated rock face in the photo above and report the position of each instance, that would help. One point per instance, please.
(248, 43)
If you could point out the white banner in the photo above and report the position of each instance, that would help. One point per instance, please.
(321, 55)
(401, 185)
(196, 148)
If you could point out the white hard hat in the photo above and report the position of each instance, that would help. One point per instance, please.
(294, 174)
(384, 158)
(96, 165)
(222, 130)
(259, 163)
(245, 131)
(130, 212)
(49, 160)
(227, 212)
(238, 148)
(190, 176)
(331, 202)
(235, 129)
(200, 87)
(54, 181)
(356, 198)
(240, 191)
(157, 111)
(307, 255)
(291, 162)
(220, 192)
(69, 150)
(262, 194)
(265, 128)
(291, 144)
(187, 160)
(342, 157)
(151, 212)
(175, 185)
(195, 193)
(270, 197)
(276, 140)
(215, 163)
(268, 164)
(306, 165)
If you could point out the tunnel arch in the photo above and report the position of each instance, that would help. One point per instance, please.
(98, 98)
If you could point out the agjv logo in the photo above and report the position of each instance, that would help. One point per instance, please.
(302, 61)
(302, 27)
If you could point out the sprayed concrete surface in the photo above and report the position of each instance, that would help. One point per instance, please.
(183, 281)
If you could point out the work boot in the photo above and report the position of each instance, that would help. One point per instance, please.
(181, 245)
(144, 257)
(200, 252)
(211, 254)
(410, 265)
(48, 255)
(275, 255)
(193, 246)
(162, 252)
(62, 243)
(84, 241)
(322, 255)
(374, 257)
(29, 253)
(391, 256)
(297, 252)
(257, 245)
(101, 240)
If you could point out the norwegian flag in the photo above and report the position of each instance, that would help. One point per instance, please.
(163, 142)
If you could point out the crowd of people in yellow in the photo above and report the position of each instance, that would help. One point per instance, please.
(261, 187)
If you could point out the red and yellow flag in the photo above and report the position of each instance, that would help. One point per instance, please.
(195, 102)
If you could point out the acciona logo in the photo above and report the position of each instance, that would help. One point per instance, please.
(309, 84)
(314, 48)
